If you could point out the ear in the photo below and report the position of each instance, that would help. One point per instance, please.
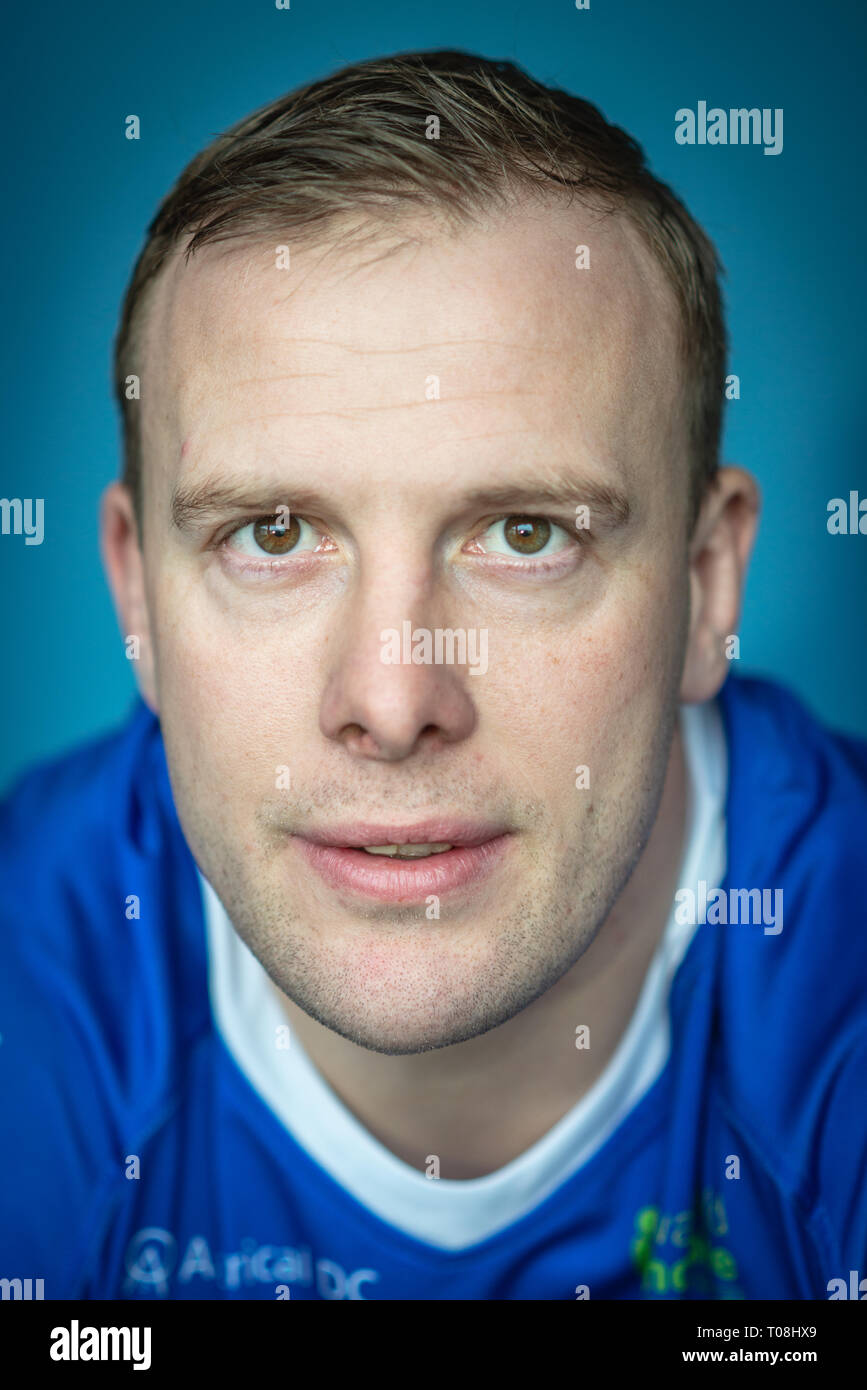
(719, 554)
(124, 567)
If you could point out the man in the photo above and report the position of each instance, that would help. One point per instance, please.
(444, 924)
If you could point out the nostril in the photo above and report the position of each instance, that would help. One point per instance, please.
(363, 744)
(358, 740)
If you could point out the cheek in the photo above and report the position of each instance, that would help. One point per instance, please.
(232, 663)
(233, 707)
(589, 693)
(622, 651)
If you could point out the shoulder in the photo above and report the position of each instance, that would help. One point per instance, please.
(773, 728)
(792, 987)
(796, 815)
(89, 845)
(100, 981)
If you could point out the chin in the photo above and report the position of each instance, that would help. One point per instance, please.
(395, 1039)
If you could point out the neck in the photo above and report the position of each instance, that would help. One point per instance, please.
(482, 1103)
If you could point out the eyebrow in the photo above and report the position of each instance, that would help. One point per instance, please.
(209, 500)
(606, 503)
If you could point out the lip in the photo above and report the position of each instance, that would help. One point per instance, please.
(356, 834)
(336, 857)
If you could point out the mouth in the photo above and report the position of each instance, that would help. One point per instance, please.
(403, 863)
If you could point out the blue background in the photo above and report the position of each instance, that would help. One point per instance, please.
(789, 229)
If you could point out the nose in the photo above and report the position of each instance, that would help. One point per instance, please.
(385, 709)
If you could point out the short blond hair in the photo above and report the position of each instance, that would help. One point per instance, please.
(356, 142)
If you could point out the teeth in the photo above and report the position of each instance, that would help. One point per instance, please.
(406, 851)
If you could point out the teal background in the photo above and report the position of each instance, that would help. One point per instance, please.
(79, 196)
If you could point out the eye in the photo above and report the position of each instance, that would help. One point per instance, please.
(532, 536)
(273, 536)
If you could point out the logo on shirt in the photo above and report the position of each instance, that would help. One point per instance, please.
(152, 1262)
(683, 1253)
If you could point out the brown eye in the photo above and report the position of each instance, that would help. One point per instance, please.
(276, 536)
(527, 534)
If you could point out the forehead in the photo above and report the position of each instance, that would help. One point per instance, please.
(338, 353)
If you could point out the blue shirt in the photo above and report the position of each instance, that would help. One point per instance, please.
(137, 1161)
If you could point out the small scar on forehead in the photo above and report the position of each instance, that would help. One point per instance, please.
(185, 447)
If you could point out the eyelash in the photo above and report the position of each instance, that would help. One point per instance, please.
(525, 566)
(263, 565)
(530, 564)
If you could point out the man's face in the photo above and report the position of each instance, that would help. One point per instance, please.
(417, 414)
